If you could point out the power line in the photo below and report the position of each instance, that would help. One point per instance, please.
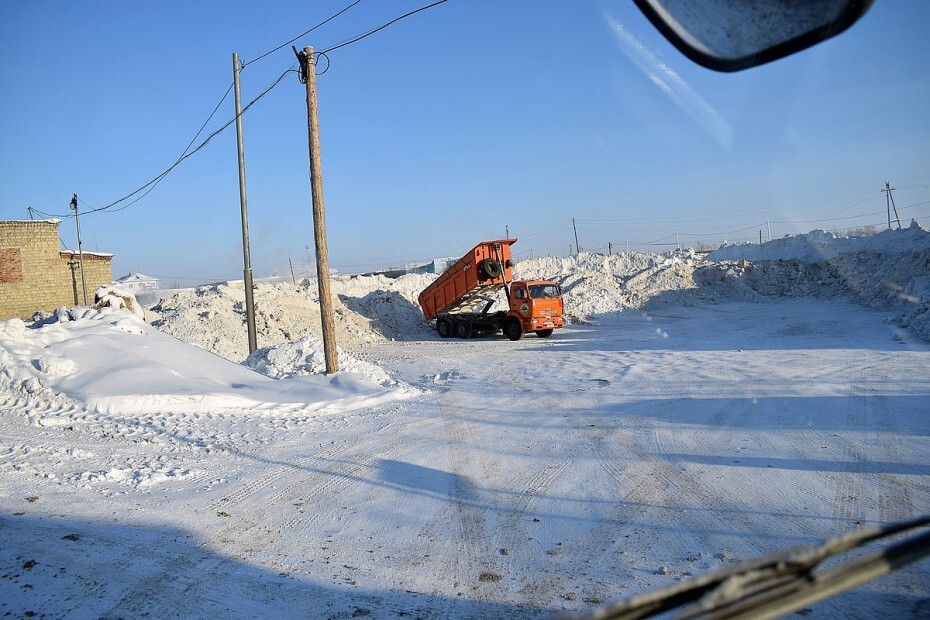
(151, 184)
(851, 217)
(302, 34)
(379, 28)
(148, 187)
(181, 158)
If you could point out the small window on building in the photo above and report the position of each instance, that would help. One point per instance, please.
(11, 265)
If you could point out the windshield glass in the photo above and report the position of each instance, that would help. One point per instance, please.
(544, 291)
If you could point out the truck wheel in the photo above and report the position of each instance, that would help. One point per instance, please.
(463, 328)
(544, 333)
(490, 268)
(444, 327)
(513, 329)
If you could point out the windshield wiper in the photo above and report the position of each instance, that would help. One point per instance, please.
(776, 584)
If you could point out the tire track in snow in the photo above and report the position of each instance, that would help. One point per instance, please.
(652, 488)
(876, 424)
(896, 500)
(847, 504)
(514, 534)
(375, 444)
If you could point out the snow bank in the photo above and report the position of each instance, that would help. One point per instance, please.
(882, 271)
(213, 317)
(595, 284)
(389, 305)
(886, 271)
(306, 357)
(819, 245)
(109, 362)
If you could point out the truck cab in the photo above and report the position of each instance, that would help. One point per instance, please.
(537, 306)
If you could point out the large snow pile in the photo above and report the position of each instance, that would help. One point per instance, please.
(595, 284)
(367, 310)
(389, 304)
(108, 361)
(885, 271)
(213, 317)
(819, 245)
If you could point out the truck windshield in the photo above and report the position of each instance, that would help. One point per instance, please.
(542, 291)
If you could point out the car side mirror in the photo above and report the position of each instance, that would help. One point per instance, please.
(731, 35)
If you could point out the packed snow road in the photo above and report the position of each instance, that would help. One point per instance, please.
(531, 477)
(659, 446)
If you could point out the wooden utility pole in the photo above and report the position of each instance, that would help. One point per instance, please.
(293, 277)
(246, 258)
(308, 76)
(577, 246)
(610, 248)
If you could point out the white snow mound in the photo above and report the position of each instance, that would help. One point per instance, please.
(306, 357)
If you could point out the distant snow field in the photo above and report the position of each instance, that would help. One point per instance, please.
(695, 412)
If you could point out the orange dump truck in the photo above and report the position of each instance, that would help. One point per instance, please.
(476, 279)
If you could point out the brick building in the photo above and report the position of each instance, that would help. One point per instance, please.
(35, 275)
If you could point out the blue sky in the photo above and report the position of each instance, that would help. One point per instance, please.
(447, 127)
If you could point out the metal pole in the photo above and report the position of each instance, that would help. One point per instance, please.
(293, 277)
(577, 246)
(887, 191)
(319, 220)
(246, 258)
(77, 221)
(890, 201)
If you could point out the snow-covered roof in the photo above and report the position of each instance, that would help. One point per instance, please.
(136, 277)
(86, 253)
(48, 221)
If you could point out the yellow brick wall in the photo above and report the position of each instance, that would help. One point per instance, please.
(44, 279)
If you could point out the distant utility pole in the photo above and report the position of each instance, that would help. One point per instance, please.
(610, 248)
(768, 228)
(308, 77)
(293, 277)
(246, 258)
(577, 245)
(74, 205)
(506, 232)
(889, 204)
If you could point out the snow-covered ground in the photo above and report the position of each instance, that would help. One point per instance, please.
(695, 413)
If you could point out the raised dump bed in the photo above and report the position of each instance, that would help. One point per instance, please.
(483, 271)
